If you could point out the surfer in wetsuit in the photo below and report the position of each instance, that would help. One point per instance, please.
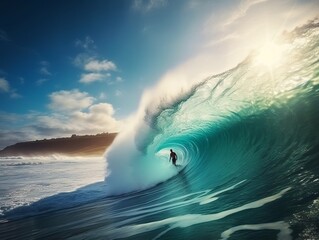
(173, 156)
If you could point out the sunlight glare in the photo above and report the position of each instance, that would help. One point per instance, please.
(270, 54)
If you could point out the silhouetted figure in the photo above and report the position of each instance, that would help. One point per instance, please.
(173, 156)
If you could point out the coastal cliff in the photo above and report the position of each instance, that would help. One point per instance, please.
(88, 145)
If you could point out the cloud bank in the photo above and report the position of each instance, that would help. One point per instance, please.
(72, 111)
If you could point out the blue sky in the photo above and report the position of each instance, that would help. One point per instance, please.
(82, 66)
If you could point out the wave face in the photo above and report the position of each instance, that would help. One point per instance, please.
(256, 119)
(256, 124)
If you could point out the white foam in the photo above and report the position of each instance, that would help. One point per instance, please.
(283, 227)
(50, 182)
(211, 197)
(201, 197)
(130, 169)
(187, 220)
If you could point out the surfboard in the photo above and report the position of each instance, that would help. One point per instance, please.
(179, 167)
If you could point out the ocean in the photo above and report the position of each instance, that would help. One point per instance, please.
(247, 142)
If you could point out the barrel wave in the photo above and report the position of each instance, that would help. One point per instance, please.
(254, 125)
(250, 119)
(248, 148)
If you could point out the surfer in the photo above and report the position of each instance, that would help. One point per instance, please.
(173, 156)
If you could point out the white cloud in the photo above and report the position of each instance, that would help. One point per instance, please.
(14, 94)
(41, 81)
(98, 118)
(94, 69)
(81, 59)
(244, 6)
(148, 5)
(6, 117)
(91, 118)
(45, 71)
(99, 66)
(4, 85)
(87, 43)
(9, 137)
(72, 100)
(102, 108)
(92, 77)
(72, 112)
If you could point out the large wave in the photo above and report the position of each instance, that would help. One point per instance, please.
(259, 115)
(247, 139)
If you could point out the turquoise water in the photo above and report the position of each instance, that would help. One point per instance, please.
(248, 146)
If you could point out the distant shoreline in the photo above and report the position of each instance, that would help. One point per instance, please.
(87, 145)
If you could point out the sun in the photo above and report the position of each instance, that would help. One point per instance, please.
(270, 54)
